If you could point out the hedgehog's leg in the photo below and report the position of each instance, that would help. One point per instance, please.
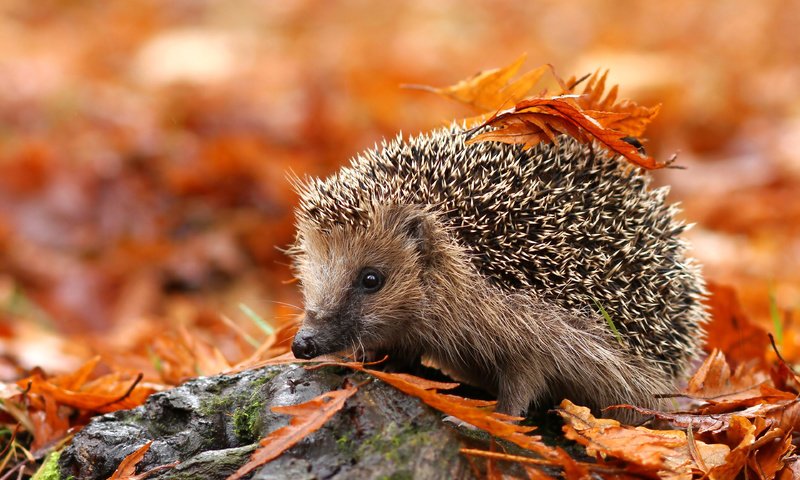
(515, 393)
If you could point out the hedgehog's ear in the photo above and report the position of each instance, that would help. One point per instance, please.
(417, 224)
(421, 229)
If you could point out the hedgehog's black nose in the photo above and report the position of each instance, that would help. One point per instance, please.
(303, 346)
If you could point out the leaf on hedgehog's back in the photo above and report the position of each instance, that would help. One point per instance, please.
(624, 116)
(491, 90)
(662, 453)
(534, 120)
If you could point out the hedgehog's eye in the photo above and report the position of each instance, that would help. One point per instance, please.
(370, 280)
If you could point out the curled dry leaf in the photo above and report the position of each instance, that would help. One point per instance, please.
(108, 393)
(51, 407)
(730, 329)
(663, 453)
(541, 119)
(785, 413)
(713, 381)
(742, 433)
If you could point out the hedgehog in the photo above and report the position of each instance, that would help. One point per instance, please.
(534, 273)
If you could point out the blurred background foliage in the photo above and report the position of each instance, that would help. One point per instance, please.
(144, 144)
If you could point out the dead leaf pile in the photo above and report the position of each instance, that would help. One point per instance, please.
(744, 425)
(44, 411)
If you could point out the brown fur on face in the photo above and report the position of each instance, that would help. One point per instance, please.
(338, 315)
(434, 303)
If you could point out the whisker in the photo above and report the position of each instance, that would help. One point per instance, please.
(287, 305)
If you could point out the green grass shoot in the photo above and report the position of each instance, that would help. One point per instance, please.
(609, 321)
(262, 324)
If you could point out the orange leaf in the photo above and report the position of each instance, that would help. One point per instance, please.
(744, 433)
(307, 418)
(49, 426)
(624, 116)
(730, 329)
(665, 453)
(561, 112)
(782, 414)
(536, 118)
(105, 394)
(491, 90)
(713, 381)
(127, 468)
(76, 379)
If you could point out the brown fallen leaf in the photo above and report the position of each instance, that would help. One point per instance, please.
(105, 394)
(730, 329)
(663, 453)
(770, 457)
(742, 433)
(306, 418)
(127, 468)
(714, 380)
(50, 425)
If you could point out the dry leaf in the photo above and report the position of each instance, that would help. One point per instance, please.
(306, 418)
(743, 434)
(730, 329)
(624, 116)
(491, 90)
(539, 119)
(654, 452)
(127, 468)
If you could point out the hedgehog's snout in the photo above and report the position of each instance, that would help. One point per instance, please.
(303, 346)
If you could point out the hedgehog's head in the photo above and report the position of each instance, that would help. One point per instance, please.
(364, 283)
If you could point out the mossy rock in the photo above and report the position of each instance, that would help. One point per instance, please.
(212, 425)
